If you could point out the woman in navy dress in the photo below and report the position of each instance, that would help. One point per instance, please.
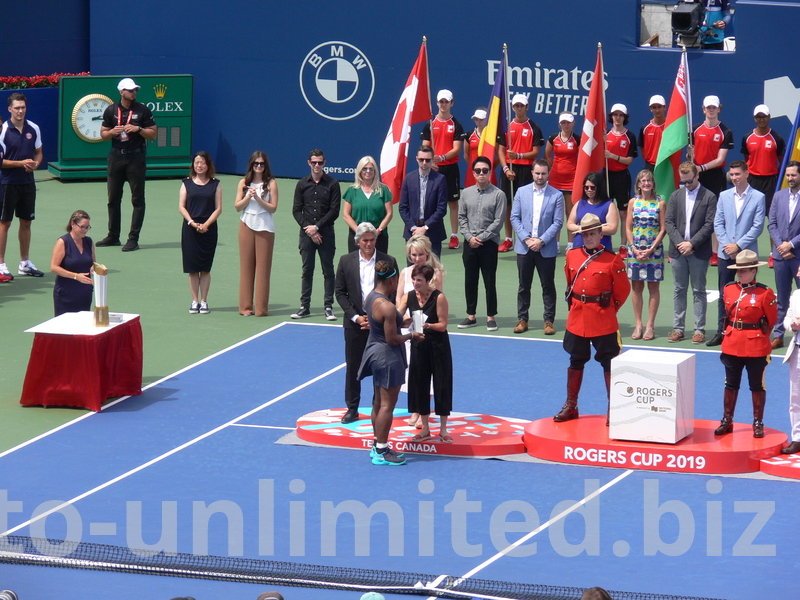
(200, 204)
(596, 202)
(384, 359)
(73, 263)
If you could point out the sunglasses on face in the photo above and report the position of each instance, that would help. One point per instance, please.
(424, 160)
(590, 187)
(259, 164)
(317, 162)
(483, 171)
(368, 169)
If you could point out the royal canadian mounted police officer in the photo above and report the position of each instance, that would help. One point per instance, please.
(597, 287)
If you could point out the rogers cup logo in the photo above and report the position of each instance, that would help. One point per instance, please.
(337, 80)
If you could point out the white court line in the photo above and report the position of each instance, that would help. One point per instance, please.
(264, 426)
(147, 387)
(173, 451)
(536, 531)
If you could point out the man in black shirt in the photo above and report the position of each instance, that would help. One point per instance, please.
(128, 124)
(316, 205)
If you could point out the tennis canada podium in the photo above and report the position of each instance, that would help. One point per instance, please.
(652, 396)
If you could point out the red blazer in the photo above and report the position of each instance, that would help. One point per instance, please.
(606, 272)
(754, 301)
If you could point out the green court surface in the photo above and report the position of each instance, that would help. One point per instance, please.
(150, 282)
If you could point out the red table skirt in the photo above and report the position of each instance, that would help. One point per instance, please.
(84, 370)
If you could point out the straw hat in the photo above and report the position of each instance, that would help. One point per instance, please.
(747, 259)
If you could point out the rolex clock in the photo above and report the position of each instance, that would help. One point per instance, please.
(87, 116)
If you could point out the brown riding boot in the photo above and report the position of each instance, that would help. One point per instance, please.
(570, 409)
(729, 402)
(759, 400)
(607, 375)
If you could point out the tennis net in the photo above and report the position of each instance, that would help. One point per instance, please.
(84, 555)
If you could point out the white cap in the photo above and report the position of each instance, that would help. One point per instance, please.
(444, 95)
(519, 99)
(478, 114)
(657, 99)
(566, 117)
(619, 107)
(127, 84)
(711, 101)
(761, 108)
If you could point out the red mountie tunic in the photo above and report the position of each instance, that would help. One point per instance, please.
(565, 161)
(445, 134)
(762, 153)
(521, 138)
(606, 272)
(708, 141)
(473, 139)
(754, 301)
(650, 141)
(621, 144)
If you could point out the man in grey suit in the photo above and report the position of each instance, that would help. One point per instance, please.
(784, 229)
(423, 201)
(537, 215)
(689, 222)
(355, 278)
(738, 222)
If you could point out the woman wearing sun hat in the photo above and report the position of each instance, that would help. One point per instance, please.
(751, 312)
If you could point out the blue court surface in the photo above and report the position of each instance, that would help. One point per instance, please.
(193, 466)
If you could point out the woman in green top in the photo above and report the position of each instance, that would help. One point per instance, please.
(368, 200)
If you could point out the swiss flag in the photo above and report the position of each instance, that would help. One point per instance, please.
(414, 107)
(592, 151)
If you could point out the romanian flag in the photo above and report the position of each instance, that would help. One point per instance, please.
(676, 133)
(414, 107)
(792, 150)
(497, 121)
(591, 157)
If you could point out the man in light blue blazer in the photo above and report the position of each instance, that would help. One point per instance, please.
(738, 222)
(537, 215)
(784, 229)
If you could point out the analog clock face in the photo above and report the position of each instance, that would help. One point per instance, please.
(87, 116)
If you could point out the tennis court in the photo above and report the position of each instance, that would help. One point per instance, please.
(198, 464)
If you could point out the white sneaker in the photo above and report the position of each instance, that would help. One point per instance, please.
(204, 310)
(194, 308)
(4, 271)
(26, 267)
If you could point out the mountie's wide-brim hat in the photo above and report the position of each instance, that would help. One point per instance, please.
(589, 222)
(747, 259)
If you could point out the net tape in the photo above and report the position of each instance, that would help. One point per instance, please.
(85, 555)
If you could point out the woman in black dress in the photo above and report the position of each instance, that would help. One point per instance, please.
(431, 357)
(200, 203)
(73, 263)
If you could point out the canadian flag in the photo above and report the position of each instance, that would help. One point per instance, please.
(414, 107)
(592, 151)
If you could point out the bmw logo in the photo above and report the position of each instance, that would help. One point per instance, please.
(337, 80)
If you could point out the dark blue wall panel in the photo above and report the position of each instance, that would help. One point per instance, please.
(247, 57)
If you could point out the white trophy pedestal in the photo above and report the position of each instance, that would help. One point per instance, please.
(652, 396)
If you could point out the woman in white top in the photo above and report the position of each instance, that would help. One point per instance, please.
(418, 252)
(257, 200)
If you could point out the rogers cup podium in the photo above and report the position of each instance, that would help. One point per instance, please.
(652, 396)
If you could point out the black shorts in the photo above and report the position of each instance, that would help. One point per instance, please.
(765, 184)
(18, 199)
(523, 175)
(452, 178)
(619, 187)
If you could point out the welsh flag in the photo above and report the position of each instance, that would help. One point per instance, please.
(591, 157)
(414, 107)
(676, 133)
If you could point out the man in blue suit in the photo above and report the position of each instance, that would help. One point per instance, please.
(738, 222)
(784, 229)
(424, 217)
(537, 215)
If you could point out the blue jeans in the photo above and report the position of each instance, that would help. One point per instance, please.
(685, 268)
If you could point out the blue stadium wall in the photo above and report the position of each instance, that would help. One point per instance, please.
(264, 70)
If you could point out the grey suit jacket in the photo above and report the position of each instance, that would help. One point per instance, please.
(701, 225)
